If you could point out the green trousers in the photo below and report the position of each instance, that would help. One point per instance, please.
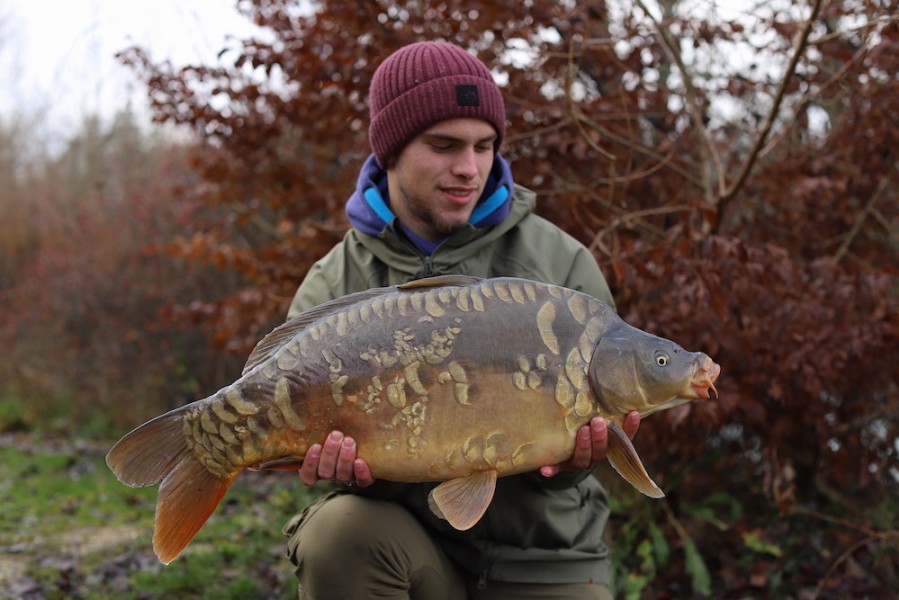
(347, 547)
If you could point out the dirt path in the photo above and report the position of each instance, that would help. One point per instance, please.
(69, 546)
(61, 548)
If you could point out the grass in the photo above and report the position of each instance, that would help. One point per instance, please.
(68, 529)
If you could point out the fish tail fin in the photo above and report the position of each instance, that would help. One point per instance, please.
(623, 457)
(157, 452)
(188, 496)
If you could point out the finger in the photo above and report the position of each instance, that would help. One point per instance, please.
(346, 455)
(631, 424)
(599, 436)
(363, 475)
(309, 470)
(583, 449)
(549, 471)
(327, 466)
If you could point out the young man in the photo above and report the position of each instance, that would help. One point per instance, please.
(436, 198)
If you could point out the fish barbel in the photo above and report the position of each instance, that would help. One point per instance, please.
(454, 378)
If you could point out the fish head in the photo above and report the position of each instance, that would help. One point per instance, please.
(634, 370)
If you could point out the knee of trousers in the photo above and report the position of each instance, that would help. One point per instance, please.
(348, 530)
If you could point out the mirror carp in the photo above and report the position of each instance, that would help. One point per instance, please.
(453, 378)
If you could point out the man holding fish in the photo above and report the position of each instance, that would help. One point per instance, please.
(455, 364)
(436, 198)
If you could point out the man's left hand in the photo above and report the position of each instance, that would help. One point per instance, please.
(592, 444)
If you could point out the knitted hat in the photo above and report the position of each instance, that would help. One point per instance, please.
(424, 83)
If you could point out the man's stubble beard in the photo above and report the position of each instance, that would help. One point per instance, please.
(425, 213)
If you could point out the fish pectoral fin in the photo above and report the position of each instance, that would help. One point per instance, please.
(624, 459)
(284, 463)
(463, 501)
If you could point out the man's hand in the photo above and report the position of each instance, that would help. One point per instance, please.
(335, 460)
(592, 444)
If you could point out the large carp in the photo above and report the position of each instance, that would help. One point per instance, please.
(454, 379)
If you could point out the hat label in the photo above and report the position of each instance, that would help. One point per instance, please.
(467, 95)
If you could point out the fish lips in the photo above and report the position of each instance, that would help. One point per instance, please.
(703, 384)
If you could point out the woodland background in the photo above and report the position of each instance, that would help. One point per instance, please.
(736, 179)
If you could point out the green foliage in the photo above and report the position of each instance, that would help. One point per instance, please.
(74, 528)
(696, 567)
(57, 492)
(756, 542)
(13, 416)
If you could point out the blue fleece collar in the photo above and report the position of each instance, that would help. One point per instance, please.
(368, 209)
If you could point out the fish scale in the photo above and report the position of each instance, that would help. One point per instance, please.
(453, 379)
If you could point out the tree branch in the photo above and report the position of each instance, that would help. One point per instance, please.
(695, 111)
(857, 226)
(798, 50)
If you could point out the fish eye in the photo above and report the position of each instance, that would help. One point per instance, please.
(661, 359)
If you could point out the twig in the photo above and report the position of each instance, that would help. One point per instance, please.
(572, 108)
(860, 53)
(686, 174)
(692, 101)
(637, 214)
(561, 124)
(678, 526)
(836, 34)
(840, 560)
(870, 535)
(798, 50)
(856, 227)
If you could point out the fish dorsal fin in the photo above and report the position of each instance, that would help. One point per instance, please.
(281, 335)
(624, 459)
(463, 501)
(440, 280)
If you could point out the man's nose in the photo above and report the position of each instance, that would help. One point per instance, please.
(465, 165)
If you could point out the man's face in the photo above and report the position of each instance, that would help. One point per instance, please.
(439, 176)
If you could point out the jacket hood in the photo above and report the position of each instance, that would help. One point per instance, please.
(368, 209)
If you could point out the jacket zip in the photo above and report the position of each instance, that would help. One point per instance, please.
(429, 266)
(482, 580)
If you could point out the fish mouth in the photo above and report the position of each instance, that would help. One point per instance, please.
(703, 384)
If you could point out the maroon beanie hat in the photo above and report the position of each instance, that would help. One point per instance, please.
(424, 83)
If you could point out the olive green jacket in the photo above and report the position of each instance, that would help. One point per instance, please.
(540, 530)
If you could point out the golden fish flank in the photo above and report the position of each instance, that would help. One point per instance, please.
(527, 377)
(412, 378)
(400, 357)
(283, 403)
(412, 418)
(496, 449)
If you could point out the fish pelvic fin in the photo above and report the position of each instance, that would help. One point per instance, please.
(463, 501)
(623, 457)
(157, 452)
(284, 463)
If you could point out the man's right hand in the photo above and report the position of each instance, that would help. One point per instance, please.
(335, 460)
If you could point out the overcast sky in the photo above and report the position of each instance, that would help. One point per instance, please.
(57, 57)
